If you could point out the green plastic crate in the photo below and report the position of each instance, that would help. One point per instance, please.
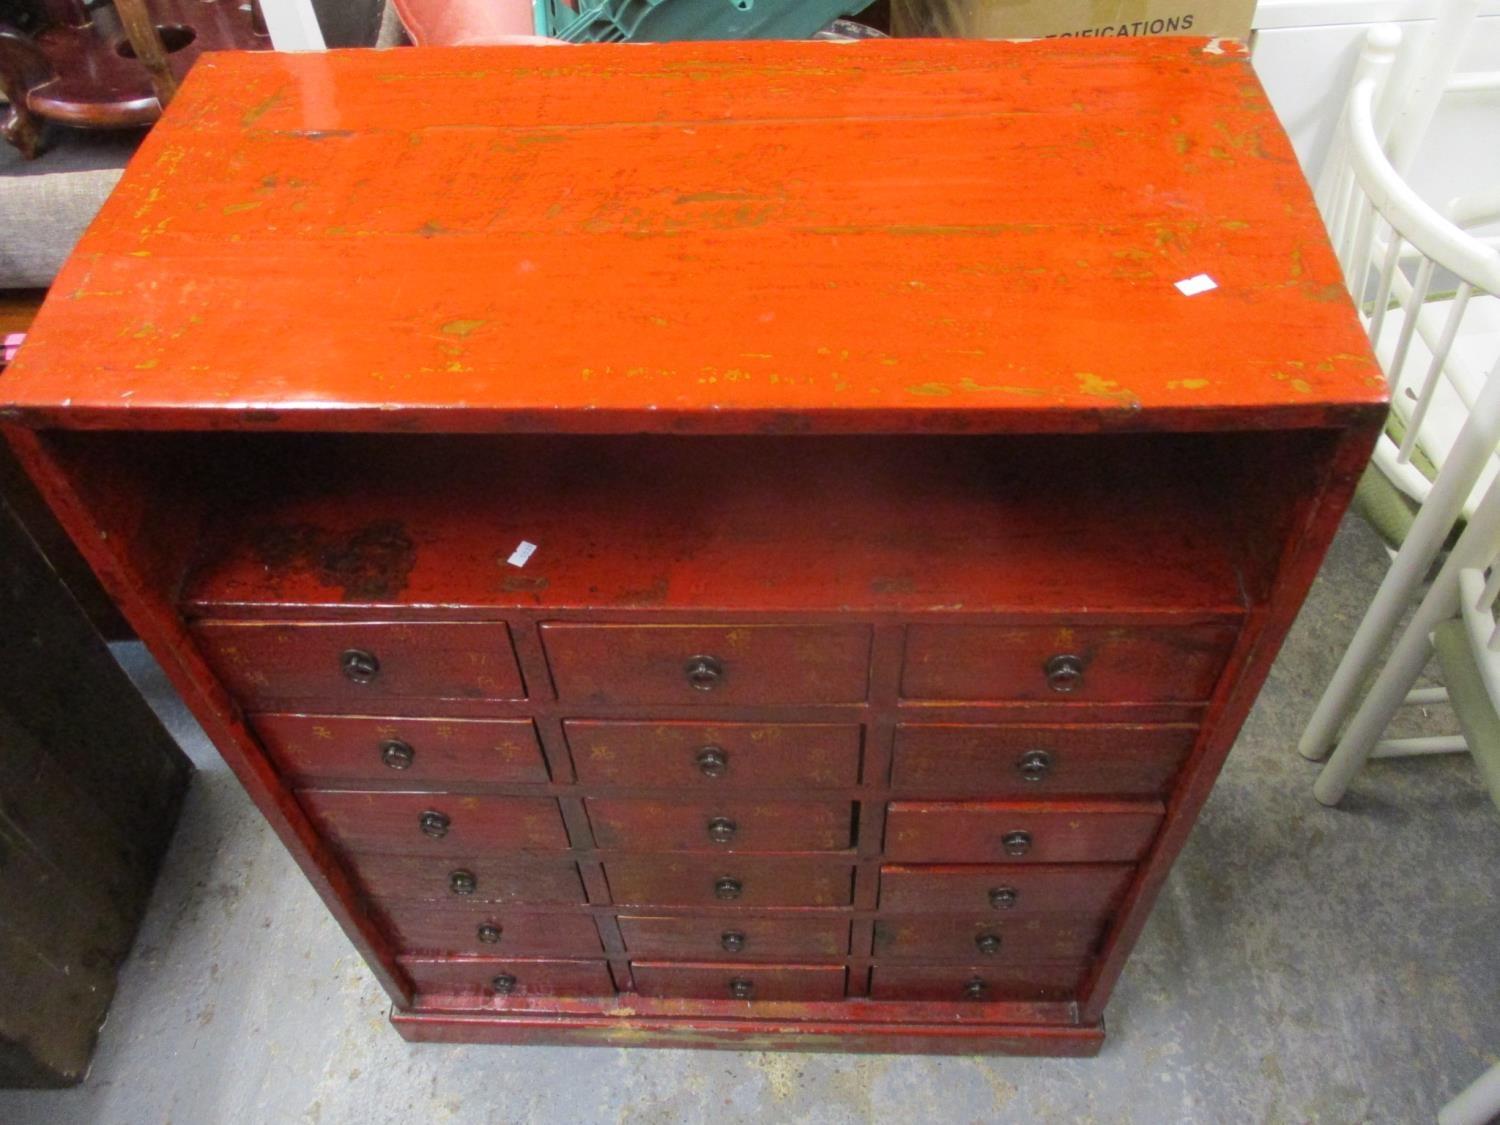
(657, 21)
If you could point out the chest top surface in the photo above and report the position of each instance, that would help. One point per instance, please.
(717, 237)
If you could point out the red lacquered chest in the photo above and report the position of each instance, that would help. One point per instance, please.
(714, 544)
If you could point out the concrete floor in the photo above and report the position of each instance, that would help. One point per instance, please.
(1303, 965)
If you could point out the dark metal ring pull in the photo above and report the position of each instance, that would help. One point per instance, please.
(1065, 673)
(976, 989)
(704, 672)
(732, 940)
(721, 829)
(504, 984)
(727, 888)
(434, 824)
(1004, 898)
(741, 989)
(359, 665)
(713, 761)
(1016, 843)
(987, 943)
(462, 882)
(1034, 765)
(489, 933)
(396, 754)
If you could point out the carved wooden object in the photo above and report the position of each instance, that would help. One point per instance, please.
(110, 65)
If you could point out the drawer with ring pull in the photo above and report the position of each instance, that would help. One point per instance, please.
(715, 756)
(435, 823)
(483, 929)
(357, 666)
(1037, 981)
(1113, 759)
(1066, 664)
(708, 664)
(491, 978)
(1018, 890)
(722, 826)
(401, 753)
(1004, 939)
(731, 880)
(1020, 831)
(520, 879)
(714, 937)
(738, 982)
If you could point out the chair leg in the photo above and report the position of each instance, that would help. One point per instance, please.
(1477, 1104)
(1475, 444)
(145, 40)
(1375, 713)
(1411, 652)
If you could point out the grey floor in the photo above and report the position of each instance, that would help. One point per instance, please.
(1303, 965)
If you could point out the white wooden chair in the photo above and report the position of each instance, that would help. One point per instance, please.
(1435, 343)
(1456, 620)
(293, 25)
(1479, 1104)
(1400, 256)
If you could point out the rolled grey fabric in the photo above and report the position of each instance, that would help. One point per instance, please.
(46, 203)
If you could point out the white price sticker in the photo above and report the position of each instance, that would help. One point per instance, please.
(1192, 286)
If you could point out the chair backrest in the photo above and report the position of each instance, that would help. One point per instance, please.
(1427, 290)
(1409, 111)
(1479, 592)
(1478, 600)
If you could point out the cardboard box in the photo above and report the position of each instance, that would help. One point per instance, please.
(1046, 19)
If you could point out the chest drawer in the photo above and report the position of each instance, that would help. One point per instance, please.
(722, 825)
(732, 937)
(1092, 664)
(953, 760)
(737, 880)
(500, 978)
(708, 664)
(357, 666)
(1037, 981)
(1017, 831)
(1009, 891)
(434, 823)
(483, 930)
(715, 756)
(420, 878)
(738, 982)
(409, 753)
(1052, 937)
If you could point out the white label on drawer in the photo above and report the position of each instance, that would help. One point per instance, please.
(522, 553)
(1192, 286)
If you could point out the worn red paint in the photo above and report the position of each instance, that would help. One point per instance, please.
(1050, 831)
(1034, 889)
(531, 881)
(759, 938)
(455, 824)
(715, 757)
(743, 824)
(1064, 936)
(402, 753)
(454, 927)
(944, 235)
(1031, 760)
